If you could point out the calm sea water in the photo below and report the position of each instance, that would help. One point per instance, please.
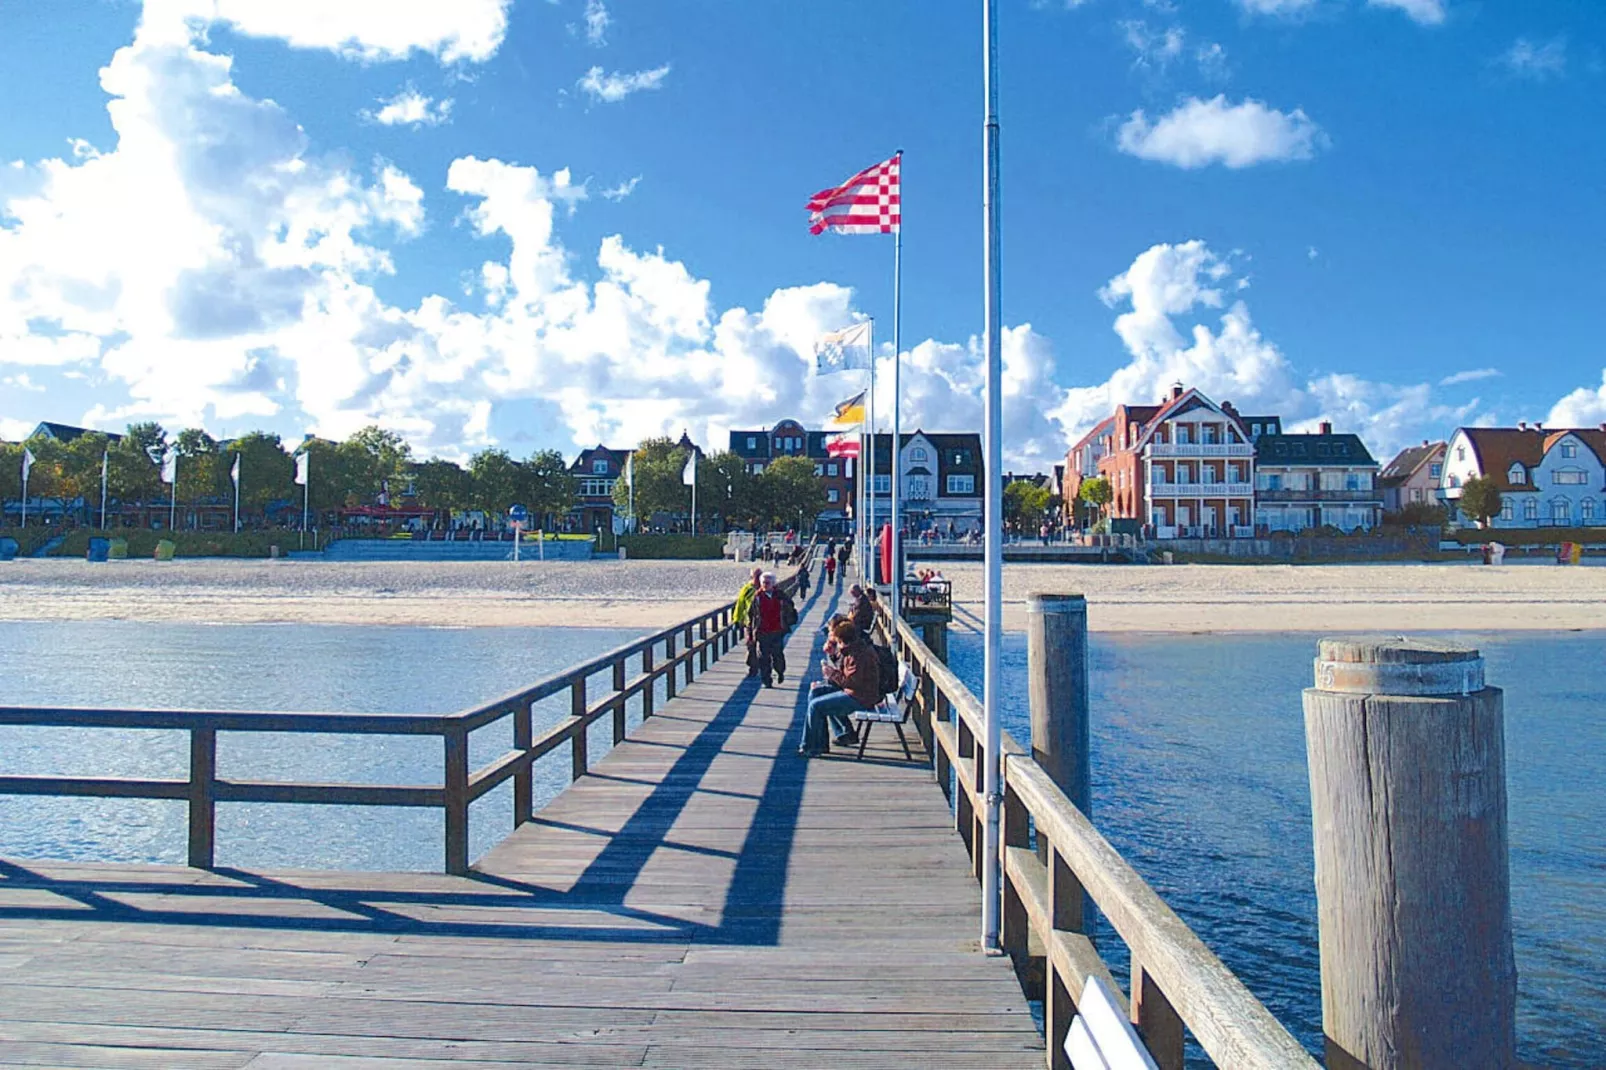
(1199, 779)
(1199, 774)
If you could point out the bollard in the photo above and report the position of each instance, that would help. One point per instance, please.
(1056, 652)
(1408, 805)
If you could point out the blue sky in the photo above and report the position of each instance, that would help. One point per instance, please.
(1377, 211)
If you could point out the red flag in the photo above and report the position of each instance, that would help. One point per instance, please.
(868, 203)
(846, 445)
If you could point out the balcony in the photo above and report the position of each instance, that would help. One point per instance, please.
(1201, 490)
(1316, 497)
(1199, 449)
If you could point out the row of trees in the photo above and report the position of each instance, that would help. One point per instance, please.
(372, 465)
(785, 494)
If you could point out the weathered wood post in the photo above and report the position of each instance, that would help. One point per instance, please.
(1057, 692)
(1408, 804)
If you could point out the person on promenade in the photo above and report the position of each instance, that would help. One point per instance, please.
(803, 578)
(830, 568)
(857, 677)
(861, 608)
(771, 620)
(842, 558)
(743, 618)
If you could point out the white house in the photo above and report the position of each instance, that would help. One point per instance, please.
(1547, 478)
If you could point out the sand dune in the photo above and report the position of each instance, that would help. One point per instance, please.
(1182, 598)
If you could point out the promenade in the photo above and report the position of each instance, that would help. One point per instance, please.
(703, 897)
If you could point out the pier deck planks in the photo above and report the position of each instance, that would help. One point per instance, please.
(704, 898)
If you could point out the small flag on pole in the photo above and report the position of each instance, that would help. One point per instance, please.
(170, 466)
(844, 350)
(234, 473)
(844, 445)
(688, 475)
(301, 469)
(630, 473)
(868, 203)
(849, 413)
(27, 462)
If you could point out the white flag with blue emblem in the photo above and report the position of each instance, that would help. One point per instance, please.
(27, 463)
(844, 350)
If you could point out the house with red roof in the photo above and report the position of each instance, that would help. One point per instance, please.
(1547, 477)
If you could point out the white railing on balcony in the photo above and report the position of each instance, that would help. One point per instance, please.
(1201, 490)
(1200, 449)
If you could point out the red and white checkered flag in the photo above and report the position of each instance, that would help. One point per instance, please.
(868, 203)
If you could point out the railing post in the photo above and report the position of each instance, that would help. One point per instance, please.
(524, 779)
(689, 668)
(650, 692)
(1156, 1020)
(1407, 763)
(203, 797)
(619, 710)
(670, 675)
(577, 710)
(964, 812)
(1015, 929)
(702, 645)
(456, 743)
(1065, 897)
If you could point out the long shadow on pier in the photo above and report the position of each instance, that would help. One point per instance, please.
(487, 905)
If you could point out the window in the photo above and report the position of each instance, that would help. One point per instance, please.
(1254, 429)
(1416, 494)
(883, 484)
(1207, 434)
(1352, 481)
(1561, 510)
(832, 496)
(1460, 453)
(1586, 510)
(919, 487)
(819, 469)
(1274, 482)
(1435, 471)
(1182, 434)
(1506, 512)
(1159, 475)
(752, 442)
(1569, 450)
(1569, 477)
(599, 467)
(1184, 474)
(961, 484)
(596, 488)
(961, 457)
(830, 468)
(1207, 473)
(918, 453)
(1516, 473)
(1530, 509)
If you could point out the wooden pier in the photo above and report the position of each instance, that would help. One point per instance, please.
(699, 897)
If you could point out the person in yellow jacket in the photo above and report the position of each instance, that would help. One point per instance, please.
(743, 617)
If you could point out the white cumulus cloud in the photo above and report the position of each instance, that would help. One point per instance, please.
(597, 21)
(610, 87)
(1581, 408)
(1198, 133)
(1536, 61)
(1277, 7)
(622, 190)
(411, 108)
(458, 30)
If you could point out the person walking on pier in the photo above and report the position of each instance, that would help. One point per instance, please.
(861, 608)
(842, 558)
(803, 578)
(770, 623)
(857, 676)
(743, 618)
(830, 568)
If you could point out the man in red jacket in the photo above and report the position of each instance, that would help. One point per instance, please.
(769, 626)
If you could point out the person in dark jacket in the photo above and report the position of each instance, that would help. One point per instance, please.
(769, 628)
(857, 673)
(861, 608)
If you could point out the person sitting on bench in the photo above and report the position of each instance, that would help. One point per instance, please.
(858, 674)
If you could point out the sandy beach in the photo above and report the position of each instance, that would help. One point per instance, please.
(1182, 598)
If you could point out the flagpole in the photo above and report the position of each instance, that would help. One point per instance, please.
(172, 502)
(236, 493)
(993, 519)
(896, 579)
(105, 458)
(866, 467)
(25, 466)
(869, 468)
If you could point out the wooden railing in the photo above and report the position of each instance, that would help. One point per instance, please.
(674, 655)
(1177, 982)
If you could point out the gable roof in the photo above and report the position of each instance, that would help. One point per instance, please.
(1593, 438)
(1408, 462)
(1497, 448)
(67, 432)
(1190, 398)
(1312, 449)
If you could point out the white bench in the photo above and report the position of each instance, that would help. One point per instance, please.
(1100, 1037)
(893, 710)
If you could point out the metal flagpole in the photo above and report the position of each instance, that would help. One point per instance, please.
(172, 499)
(896, 579)
(236, 493)
(869, 470)
(866, 453)
(694, 490)
(105, 458)
(26, 464)
(993, 518)
(306, 499)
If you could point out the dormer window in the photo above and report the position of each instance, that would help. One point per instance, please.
(599, 467)
(1569, 450)
(1517, 475)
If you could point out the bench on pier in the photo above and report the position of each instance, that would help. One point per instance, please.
(893, 710)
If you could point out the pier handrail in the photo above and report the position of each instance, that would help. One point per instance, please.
(1177, 981)
(675, 655)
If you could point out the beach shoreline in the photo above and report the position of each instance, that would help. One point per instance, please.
(1178, 599)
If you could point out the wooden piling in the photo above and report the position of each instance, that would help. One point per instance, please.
(1056, 653)
(1408, 804)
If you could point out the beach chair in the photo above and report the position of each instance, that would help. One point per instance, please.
(892, 710)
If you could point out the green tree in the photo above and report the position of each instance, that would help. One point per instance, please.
(1096, 493)
(725, 488)
(267, 473)
(10, 473)
(1417, 514)
(439, 484)
(496, 482)
(659, 463)
(331, 481)
(1025, 505)
(376, 463)
(1480, 499)
(132, 474)
(793, 494)
(547, 485)
(201, 470)
(149, 438)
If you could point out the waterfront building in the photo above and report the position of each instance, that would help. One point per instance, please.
(759, 448)
(1412, 477)
(1546, 478)
(1324, 480)
(595, 471)
(941, 481)
(65, 433)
